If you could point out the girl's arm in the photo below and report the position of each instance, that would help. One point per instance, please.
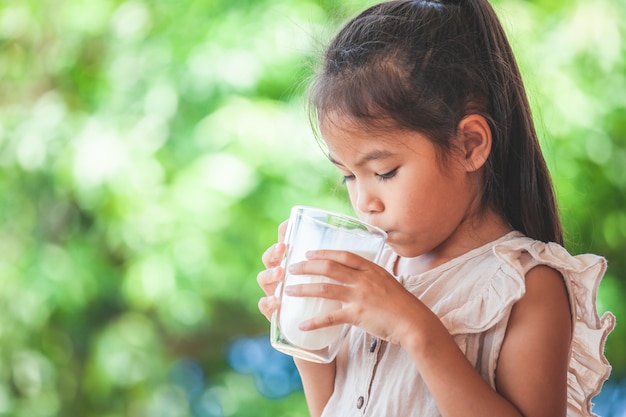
(318, 381)
(536, 348)
(531, 375)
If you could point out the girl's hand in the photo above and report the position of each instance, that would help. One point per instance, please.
(371, 297)
(269, 278)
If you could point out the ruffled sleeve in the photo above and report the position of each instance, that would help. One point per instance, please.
(588, 368)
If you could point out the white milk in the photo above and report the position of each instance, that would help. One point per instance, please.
(295, 310)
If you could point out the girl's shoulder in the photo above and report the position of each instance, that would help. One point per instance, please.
(582, 274)
(523, 253)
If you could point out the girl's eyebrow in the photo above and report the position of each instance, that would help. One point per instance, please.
(371, 156)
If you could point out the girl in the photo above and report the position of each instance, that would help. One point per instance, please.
(477, 310)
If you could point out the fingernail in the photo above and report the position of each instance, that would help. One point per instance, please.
(278, 247)
(288, 290)
(310, 254)
(304, 325)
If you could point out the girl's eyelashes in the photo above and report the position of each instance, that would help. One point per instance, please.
(388, 175)
(347, 178)
(381, 177)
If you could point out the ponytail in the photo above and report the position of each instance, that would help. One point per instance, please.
(519, 179)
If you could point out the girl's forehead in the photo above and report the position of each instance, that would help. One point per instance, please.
(345, 140)
(341, 126)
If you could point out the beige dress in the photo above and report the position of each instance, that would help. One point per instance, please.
(473, 296)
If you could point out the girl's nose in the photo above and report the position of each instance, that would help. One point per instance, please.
(367, 201)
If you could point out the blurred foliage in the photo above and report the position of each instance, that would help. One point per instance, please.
(148, 151)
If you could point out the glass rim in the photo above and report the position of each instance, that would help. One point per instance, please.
(342, 216)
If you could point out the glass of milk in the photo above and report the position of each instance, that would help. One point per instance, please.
(311, 228)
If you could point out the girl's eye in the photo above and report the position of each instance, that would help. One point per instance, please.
(388, 175)
(347, 178)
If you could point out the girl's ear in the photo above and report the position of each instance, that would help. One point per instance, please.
(475, 141)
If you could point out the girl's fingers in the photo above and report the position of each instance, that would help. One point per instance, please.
(273, 255)
(349, 259)
(344, 272)
(267, 306)
(324, 290)
(330, 319)
(269, 278)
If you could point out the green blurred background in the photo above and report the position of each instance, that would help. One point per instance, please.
(148, 151)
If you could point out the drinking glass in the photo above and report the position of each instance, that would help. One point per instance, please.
(311, 228)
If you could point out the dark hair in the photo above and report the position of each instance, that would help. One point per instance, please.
(423, 66)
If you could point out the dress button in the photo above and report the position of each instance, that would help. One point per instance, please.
(359, 402)
(373, 345)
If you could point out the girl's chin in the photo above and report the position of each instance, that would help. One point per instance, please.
(406, 248)
(407, 253)
(403, 250)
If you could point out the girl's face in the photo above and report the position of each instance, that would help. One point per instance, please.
(396, 182)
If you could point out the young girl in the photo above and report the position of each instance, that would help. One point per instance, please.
(477, 310)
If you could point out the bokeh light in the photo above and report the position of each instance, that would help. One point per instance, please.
(275, 373)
